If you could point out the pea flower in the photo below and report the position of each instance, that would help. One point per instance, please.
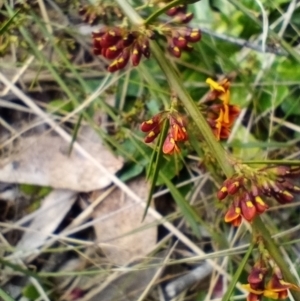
(249, 187)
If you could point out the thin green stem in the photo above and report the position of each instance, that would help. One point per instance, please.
(160, 11)
(191, 107)
(130, 12)
(238, 273)
(5, 296)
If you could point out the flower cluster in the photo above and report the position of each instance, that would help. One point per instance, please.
(275, 288)
(180, 11)
(220, 116)
(248, 187)
(91, 14)
(181, 39)
(120, 45)
(176, 132)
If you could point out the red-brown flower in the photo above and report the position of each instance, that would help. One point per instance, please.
(121, 45)
(176, 132)
(248, 189)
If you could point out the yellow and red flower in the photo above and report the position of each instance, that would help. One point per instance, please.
(120, 45)
(276, 289)
(176, 133)
(221, 116)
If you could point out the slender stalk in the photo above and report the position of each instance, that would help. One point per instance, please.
(160, 11)
(191, 107)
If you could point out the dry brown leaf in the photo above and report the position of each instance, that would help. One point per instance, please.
(53, 209)
(120, 231)
(44, 160)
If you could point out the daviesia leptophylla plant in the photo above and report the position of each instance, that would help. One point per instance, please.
(246, 189)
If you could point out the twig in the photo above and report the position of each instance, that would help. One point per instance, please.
(177, 286)
(245, 43)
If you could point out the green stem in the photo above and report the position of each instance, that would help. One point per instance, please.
(160, 11)
(130, 12)
(276, 254)
(238, 273)
(191, 107)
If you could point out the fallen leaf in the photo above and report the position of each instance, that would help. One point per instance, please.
(44, 160)
(119, 228)
(53, 209)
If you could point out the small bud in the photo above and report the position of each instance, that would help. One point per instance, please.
(175, 51)
(180, 42)
(248, 208)
(222, 193)
(150, 124)
(136, 54)
(184, 18)
(112, 52)
(193, 36)
(233, 187)
(120, 62)
(128, 39)
(145, 48)
(172, 11)
(286, 196)
(260, 205)
(152, 135)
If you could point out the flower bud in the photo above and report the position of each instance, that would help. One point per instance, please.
(194, 35)
(248, 208)
(136, 54)
(175, 51)
(222, 193)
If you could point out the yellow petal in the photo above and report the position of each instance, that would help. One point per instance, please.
(271, 294)
(214, 85)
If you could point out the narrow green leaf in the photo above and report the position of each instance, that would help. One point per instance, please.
(5, 296)
(7, 24)
(156, 166)
(237, 274)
